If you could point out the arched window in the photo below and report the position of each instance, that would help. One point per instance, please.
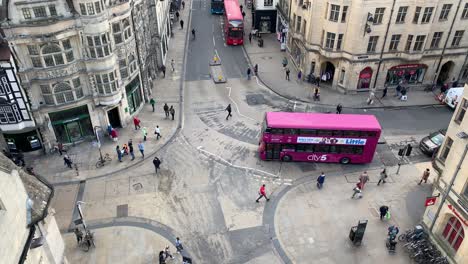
(121, 30)
(51, 54)
(63, 92)
(453, 233)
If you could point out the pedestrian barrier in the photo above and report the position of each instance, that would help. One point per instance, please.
(216, 70)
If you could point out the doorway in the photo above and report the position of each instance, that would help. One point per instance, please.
(365, 77)
(445, 72)
(114, 117)
(327, 73)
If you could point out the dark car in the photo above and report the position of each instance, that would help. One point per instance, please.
(430, 144)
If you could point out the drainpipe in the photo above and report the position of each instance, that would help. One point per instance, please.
(436, 75)
(384, 44)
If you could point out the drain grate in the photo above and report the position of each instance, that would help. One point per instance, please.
(122, 210)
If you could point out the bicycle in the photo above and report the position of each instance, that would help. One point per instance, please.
(103, 161)
(411, 235)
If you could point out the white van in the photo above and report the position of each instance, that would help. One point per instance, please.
(453, 96)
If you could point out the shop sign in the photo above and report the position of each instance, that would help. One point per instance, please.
(457, 214)
(430, 201)
(408, 66)
(264, 18)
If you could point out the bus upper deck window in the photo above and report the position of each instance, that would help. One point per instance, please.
(277, 131)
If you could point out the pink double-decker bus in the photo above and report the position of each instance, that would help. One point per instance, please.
(316, 137)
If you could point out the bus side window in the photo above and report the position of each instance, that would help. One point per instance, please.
(310, 132)
(368, 134)
(322, 148)
(309, 148)
(358, 149)
(267, 130)
(290, 131)
(346, 150)
(300, 148)
(337, 133)
(289, 147)
(334, 149)
(324, 132)
(350, 133)
(277, 131)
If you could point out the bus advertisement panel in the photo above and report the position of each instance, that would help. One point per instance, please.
(217, 7)
(314, 137)
(233, 23)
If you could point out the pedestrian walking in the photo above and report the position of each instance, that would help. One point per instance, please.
(363, 179)
(250, 37)
(383, 211)
(152, 102)
(178, 245)
(157, 132)
(425, 176)
(166, 110)
(156, 162)
(172, 111)
(177, 15)
(384, 93)
(285, 62)
(370, 100)
(243, 14)
(383, 176)
(167, 252)
(229, 110)
(398, 91)
(163, 69)
(339, 108)
(241, 8)
(67, 161)
(79, 235)
(262, 193)
(162, 257)
(119, 153)
(249, 72)
(357, 191)
(183, 4)
(299, 75)
(145, 133)
(320, 180)
(114, 135)
(403, 96)
(141, 147)
(130, 149)
(256, 69)
(136, 122)
(59, 147)
(173, 65)
(181, 24)
(287, 73)
(316, 94)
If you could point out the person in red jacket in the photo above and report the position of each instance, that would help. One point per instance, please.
(136, 122)
(262, 193)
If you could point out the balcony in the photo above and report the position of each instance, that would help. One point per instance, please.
(108, 99)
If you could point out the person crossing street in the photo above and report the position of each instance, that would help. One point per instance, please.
(156, 163)
(229, 110)
(262, 193)
(166, 110)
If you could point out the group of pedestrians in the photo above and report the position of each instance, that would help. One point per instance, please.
(127, 149)
(166, 253)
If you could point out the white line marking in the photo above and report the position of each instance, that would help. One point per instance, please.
(237, 107)
(214, 44)
(294, 107)
(200, 148)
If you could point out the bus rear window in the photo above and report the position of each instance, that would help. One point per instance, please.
(324, 132)
(310, 132)
(276, 131)
(350, 133)
(368, 134)
(290, 131)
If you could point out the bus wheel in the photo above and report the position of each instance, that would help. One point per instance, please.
(287, 158)
(344, 161)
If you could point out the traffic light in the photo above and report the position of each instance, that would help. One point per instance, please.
(401, 152)
(408, 150)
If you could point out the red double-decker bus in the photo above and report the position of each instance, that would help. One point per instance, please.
(233, 23)
(316, 137)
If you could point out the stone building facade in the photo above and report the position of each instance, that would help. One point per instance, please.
(448, 218)
(29, 231)
(84, 63)
(356, 45)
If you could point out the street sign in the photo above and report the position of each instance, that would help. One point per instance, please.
(430, 201)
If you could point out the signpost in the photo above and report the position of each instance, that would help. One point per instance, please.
(430, 201)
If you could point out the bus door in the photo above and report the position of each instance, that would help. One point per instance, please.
(273, 151)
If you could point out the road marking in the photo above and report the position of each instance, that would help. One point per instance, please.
(237, 107)
(200, 148)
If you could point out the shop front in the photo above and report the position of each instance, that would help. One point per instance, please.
(24, 141)
(365, 77)
(72, 125)
(406, 74)
(265, 21)
(134, 96)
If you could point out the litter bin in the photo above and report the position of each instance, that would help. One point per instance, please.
(356, 234)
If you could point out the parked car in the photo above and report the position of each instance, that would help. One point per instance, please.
(453, 96)
(430, 144)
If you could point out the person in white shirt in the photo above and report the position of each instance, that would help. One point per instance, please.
(157, 132)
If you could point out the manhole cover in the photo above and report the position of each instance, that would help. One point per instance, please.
(255, 99)
(137, 186)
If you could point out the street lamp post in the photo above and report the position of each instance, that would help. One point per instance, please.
(98, 141)
(448, 189)
(78, 206)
